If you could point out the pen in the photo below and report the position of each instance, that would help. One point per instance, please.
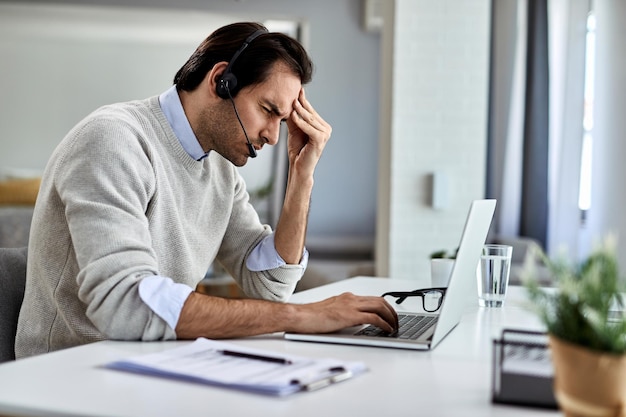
(273, 359)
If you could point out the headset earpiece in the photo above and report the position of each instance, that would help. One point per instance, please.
(226, 85)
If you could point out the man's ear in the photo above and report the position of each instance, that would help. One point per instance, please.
(213, 77)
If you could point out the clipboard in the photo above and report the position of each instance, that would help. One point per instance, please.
(228, 365)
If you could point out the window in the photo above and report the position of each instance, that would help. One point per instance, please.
(584, 194)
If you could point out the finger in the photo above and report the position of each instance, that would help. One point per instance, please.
(385, 312)
(394, 313)
(305, 103)
(390, 315)
(315, 131)
(305, 110)
(304, 117)
(376, 320)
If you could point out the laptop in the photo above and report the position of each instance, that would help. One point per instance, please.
(460, 292)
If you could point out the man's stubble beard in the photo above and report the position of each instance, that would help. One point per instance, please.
(220, 131)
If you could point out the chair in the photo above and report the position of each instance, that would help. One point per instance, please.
(12, 283)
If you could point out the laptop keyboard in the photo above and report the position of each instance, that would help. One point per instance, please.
(411, 327)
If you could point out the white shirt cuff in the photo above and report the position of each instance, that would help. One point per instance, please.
(164, 297)
(264, 256)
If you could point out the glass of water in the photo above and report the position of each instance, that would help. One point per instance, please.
(493, 274)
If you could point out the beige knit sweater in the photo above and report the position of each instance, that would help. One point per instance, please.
(121, 200)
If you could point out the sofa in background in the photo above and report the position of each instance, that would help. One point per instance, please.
(17, 200)
(15, 226)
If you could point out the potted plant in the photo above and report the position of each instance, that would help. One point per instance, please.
(444, 254)
(587, 338)
(441, 264)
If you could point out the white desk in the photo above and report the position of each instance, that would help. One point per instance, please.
(452, 380)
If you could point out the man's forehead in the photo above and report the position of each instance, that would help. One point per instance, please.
(279, 90)
(277, 109)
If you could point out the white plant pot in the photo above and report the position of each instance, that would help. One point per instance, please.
(440, 271)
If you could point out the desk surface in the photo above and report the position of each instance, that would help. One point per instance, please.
(452, 380)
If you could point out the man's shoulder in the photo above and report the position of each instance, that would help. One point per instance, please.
(112, 127)
(139, 117)
(127, 109)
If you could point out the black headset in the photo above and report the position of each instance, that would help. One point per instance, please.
(227, 83)
(227, 86)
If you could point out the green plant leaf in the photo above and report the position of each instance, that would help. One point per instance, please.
(579, 309)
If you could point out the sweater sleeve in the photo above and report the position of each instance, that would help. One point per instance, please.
(243, 246)
(105, 181)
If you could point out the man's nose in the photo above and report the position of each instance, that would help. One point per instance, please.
(271, 133)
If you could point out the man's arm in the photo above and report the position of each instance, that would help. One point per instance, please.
(308, 135)
(216, 318)
(225, 318)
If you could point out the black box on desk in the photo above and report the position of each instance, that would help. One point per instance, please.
(522, 370)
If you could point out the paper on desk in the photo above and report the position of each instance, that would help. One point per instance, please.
(203, 361)
(527, 360)
(526, 353)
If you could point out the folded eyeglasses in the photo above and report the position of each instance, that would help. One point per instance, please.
(431, 297)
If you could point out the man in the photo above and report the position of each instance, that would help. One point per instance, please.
(141, 197)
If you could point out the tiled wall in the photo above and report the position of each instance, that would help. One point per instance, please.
(435, 121)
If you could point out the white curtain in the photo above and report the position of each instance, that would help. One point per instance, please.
(566, 49)
(568, 23)
(510, 66)
(608, 194)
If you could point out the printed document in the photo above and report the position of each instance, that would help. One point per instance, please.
(229, 365)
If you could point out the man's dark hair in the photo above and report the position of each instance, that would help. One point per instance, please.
(253, 66)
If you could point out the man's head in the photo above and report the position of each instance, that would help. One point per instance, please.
(253, 66)
(269, 75)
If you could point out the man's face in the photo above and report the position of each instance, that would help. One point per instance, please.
(261, 107)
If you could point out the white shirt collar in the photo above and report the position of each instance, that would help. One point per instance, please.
(175, 115)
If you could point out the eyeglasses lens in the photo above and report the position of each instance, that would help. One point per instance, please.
(432, 300)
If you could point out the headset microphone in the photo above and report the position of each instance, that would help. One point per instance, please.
(227, 85)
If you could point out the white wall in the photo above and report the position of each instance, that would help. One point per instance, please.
(433, 119)
(59, 63)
